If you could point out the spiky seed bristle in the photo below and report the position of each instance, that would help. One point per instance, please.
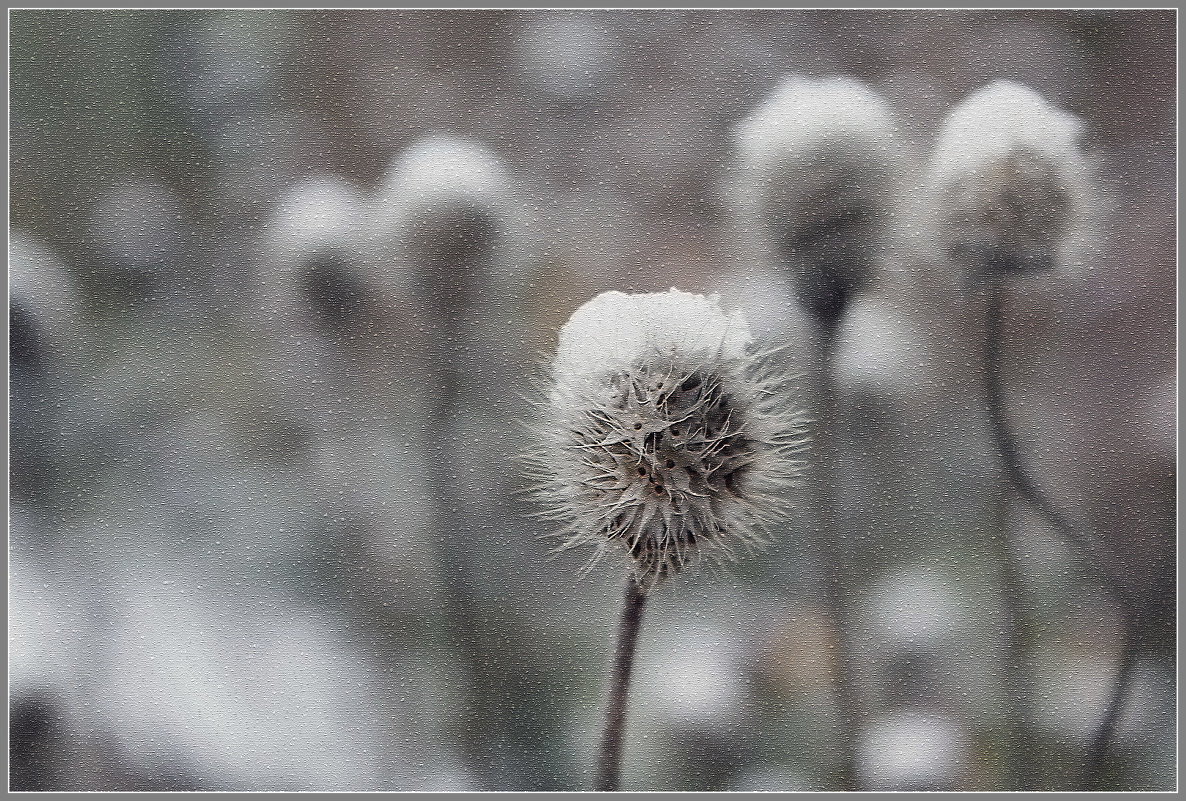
(672, 459)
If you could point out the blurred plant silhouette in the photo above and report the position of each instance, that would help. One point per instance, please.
(278, 283)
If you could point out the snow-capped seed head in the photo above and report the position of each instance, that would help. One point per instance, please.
(318, 211)
(314, 252)
(437, 167)
(448, 201)
(43, 305)
(819, 161)
(1010, 185)
(663, 433)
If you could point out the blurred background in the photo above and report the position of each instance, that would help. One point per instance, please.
(283, 284)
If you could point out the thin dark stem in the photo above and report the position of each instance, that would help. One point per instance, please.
(833, 579)
(1020, 633)
(1097, 751)
(609, 757)
(1028, 489)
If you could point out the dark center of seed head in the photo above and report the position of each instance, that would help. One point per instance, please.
(703, 409)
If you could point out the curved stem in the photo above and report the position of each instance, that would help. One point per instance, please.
(1006, 445)
(609, 757)
(1097, 751)
(1028, 489)
(833, 582)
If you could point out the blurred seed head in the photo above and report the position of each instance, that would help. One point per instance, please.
(447, 215)
(566, 57)
(448, 203)
(819, 162)
(315, 275)
(45, 346)
(43, 306)
(318, 211)
(1010, 186)
(916, 625)
(437, 172)
(236, 60)
(663, 433)
(880, 371)
(333, 313)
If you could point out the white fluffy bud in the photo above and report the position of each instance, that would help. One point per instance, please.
(1010, 186)
(819, 161)
(449, 203)
(315, 275)
(663, 433)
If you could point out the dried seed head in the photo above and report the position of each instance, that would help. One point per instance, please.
(663, 433)
(43, 306)
(314, 272)
(819, 160)
(1010, 186)
(447, 208)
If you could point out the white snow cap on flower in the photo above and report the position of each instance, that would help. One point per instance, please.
(320, 273)
(44, 308)
(320, 210)
(449, 204)
(1011, 187)
(313, 262)
(663, 433)
(805, 115)
(439, 171)
(819, 161)
(614, 330)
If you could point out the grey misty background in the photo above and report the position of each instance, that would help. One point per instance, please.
(264, 529)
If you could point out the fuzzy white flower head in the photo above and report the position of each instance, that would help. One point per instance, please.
(314, 266)
(664, 433)
(805, 115)
(439, 169)
(318, 211)
(449, 202)
(1010, 185)
(818, 164)
(43, 304)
